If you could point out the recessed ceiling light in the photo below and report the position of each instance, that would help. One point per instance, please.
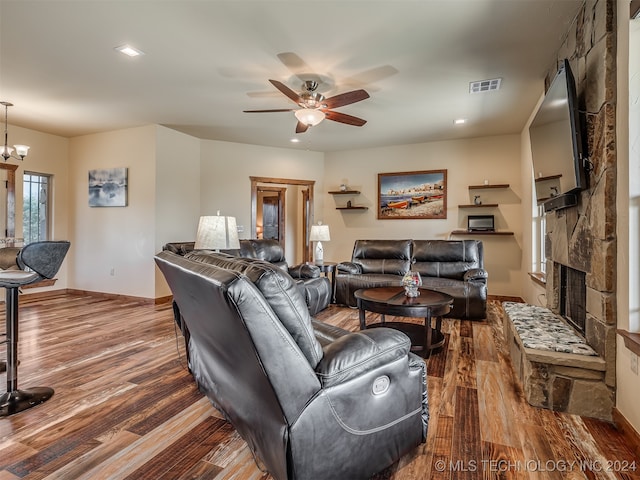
(460, 121)
(295, 140)
(129, 50)
(485, 85)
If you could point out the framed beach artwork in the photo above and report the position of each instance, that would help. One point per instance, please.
(108, 187)
(412, 195)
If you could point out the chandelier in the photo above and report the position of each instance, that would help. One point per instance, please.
(6, 151)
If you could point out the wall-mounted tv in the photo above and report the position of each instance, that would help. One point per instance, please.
(557, 149)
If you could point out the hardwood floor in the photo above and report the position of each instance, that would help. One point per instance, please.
(125, 406)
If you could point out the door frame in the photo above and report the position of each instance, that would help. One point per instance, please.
(306, 224)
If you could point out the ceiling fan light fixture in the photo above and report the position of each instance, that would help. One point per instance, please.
(309, 116)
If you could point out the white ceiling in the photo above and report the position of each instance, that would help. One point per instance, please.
(207, 61)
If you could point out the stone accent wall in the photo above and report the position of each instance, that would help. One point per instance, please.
(584, 237)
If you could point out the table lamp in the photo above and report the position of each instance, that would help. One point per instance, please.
(217, 233)
(319, 233)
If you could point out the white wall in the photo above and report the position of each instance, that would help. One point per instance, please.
(468, 162)
(628, 205)
(225, 168)
(177, 193)
(532, 292)
(118, 238)
(49, 154)
(634, 176)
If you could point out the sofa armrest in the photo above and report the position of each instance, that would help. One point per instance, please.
(326, 333)
(349, 267)
(355, 354)
(476, 274)
(304, 271)
(179, 248)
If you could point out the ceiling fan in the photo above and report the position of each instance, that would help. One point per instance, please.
(315, 108)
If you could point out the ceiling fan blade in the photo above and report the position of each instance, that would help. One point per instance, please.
(344, 118)
(345, 99)
(286, 90)
(269, 111)
(301, 127)
(303, 71)
(294, 63)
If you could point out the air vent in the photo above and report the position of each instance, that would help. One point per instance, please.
(485, 85)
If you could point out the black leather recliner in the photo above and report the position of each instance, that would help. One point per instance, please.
(315, 288)
(312, 401)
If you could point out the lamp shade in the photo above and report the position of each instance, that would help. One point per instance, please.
(319, 233)
(217, 233)
(22, 150)
(309, 116)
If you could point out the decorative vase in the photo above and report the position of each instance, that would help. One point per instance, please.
(411, 283)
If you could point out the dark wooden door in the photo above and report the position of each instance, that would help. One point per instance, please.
(270, 218)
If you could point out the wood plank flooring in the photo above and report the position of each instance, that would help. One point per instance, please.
(125, 406)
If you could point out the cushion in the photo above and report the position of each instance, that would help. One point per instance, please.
(383, 256)
(541, 329)
(445, 258)
(279, 290)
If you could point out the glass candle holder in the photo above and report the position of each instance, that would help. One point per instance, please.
(411, 283)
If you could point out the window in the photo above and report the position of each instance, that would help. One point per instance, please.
(36, 216)
(538, 234)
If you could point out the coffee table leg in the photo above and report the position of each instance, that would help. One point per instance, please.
(361, 315)
(429, 331)
(435, 339)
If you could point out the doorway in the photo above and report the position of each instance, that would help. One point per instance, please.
(271, 219)
(264, 187)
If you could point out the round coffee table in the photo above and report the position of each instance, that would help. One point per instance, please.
(392, 301)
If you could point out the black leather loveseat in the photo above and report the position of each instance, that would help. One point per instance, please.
(312, 401)
(455, 267)
(315, 288)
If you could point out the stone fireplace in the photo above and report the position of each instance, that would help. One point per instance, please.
(580, 243)
(581, 240)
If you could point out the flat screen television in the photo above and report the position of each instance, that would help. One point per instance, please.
(557, 148)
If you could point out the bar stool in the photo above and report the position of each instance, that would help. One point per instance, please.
(36, 261)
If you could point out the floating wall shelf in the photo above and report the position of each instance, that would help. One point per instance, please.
(478, 187)
(345, 192)
(349, 192)
(550, 177)
(473, 205)
(467, 232)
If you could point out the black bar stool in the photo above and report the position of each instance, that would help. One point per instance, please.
(36, 261)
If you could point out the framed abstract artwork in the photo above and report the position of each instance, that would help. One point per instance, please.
(108, 187)
(412, 195)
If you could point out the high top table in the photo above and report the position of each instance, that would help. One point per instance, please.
(392, 301)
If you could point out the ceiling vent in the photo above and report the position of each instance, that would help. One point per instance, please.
(485, 85)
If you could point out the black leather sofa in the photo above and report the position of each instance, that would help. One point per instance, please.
(455, 267)
(312, 401)
(315, 288)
